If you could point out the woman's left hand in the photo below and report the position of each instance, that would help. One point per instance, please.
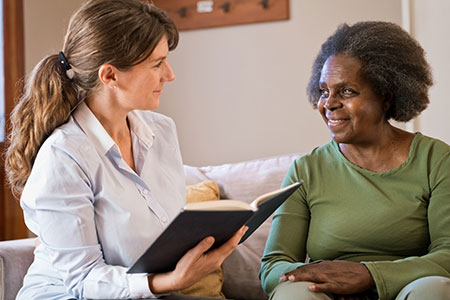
(334, 276)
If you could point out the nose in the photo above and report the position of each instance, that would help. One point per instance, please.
(333, 102)
(169, 75)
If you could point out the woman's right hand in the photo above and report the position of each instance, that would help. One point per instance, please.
(194, 265)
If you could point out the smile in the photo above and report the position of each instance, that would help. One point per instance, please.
(336, 122)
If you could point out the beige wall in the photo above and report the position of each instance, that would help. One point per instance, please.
(45, 25)
(431, 27)
(240, 90)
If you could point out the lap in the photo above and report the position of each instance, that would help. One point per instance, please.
(300, 290)
(431, 287)
(297, 290)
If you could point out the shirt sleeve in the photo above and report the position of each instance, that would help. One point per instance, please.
(391, 276)
(286, 248)
(58, 203)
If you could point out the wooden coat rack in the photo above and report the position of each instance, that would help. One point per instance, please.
(195, 14)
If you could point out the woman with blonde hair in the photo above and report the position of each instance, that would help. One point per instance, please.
(98, 173)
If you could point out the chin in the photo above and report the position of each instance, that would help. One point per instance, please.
(152, 106)
(340, 139)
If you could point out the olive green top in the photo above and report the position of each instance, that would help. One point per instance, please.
(396, 222)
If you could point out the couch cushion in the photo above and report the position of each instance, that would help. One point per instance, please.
(15, 258)
(211, 284)
(203, 191)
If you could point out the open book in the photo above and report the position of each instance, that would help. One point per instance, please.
(220, 219)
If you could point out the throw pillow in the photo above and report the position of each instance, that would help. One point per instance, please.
(211, 284)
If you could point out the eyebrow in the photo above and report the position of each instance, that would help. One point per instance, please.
(158, 58)
(339, 84)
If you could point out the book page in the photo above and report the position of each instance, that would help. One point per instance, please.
(218, 205)
(269, 195)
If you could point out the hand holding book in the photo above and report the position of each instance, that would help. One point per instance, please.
(220, 219)
(195, 264)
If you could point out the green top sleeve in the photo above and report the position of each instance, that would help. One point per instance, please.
(285, 250)
(396, 222)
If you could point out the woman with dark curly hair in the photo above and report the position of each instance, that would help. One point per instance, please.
(373, 215)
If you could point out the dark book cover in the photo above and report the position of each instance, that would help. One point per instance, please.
(191, 226)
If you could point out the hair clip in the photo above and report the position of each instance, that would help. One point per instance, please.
(63, 60)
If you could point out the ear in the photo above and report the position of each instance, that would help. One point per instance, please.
(108, 75)
(387, 101)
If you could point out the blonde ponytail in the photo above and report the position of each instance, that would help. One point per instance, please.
(46, 104)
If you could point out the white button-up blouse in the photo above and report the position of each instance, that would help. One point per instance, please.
(93, 214)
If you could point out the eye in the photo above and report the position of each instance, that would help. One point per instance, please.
(346, 92)
(158, 64)
(324, 93)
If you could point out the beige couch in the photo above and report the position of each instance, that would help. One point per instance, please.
(244, 181)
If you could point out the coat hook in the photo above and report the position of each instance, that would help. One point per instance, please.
(264, 3)
(182, 12)
(226, 7)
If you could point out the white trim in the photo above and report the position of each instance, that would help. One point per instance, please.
(413, 125)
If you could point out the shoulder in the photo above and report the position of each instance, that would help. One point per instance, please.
(67, 143)
(431, 149)
(432, 144)
(318, 155)
(311, 164)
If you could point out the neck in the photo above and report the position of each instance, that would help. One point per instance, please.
(112, 118)
(389, 149)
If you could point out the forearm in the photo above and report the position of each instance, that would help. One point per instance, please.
(86, 276)
(271, 270)
(161, 283)
(391, 276)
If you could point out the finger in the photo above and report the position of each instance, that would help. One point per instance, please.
(203, 246)
(301, 269)
(327, 287)
(302, 273)
(232, 243)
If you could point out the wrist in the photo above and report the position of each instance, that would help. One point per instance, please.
(161, 283)
(371, 282)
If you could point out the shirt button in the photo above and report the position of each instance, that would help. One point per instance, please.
(144, 192)
(164, 219)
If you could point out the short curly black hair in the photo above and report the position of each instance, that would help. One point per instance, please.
(392, 61)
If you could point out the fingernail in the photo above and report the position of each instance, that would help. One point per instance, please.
(312, 287)
(291, 278)
(283, 277)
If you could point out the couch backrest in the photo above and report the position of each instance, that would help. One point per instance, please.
(15, 258)
(244, 180)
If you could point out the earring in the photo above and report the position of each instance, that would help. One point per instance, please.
(115, 86)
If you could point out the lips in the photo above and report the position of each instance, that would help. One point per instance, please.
(337, 121)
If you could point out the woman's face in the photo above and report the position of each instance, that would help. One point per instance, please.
(352, 111)
(141, 86)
